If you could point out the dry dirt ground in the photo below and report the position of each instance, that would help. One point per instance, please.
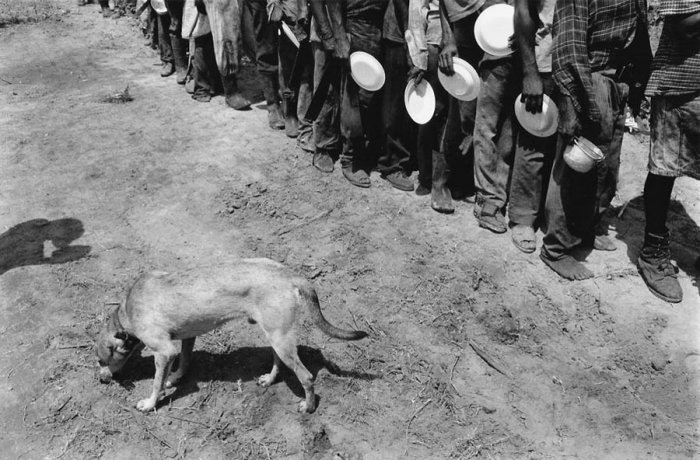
(93, 193)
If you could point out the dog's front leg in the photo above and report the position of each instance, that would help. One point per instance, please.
(184, 362)
(163, 362)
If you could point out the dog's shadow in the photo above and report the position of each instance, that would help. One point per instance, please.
(244, 364)
(24, 245)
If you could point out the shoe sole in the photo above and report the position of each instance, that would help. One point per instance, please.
(400, 187)
(523, 249)
(494, 230)
(655, 292)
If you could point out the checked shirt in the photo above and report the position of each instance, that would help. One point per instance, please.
(676, 67)
(590, 36)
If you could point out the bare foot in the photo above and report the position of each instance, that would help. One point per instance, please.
(603, 243)
(568, 267)
(441, 199)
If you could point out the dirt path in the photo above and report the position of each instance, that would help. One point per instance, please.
(93, 193)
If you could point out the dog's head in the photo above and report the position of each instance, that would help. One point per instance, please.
(114, 348)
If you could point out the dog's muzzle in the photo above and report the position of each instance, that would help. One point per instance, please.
(105, 375)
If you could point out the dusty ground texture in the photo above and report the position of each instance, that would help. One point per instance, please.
(93, 193)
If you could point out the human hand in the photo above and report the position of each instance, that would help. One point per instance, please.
(533, 90)
(449, 50)
(201, 8)
(416, 74)
(342, 47)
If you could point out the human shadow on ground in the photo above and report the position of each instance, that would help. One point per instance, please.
(685, 235)
(244, 364)
(23, 244)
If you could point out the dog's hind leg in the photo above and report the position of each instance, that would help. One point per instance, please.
(286, 348)
(183, 362)
(164, 358)
(266, 380)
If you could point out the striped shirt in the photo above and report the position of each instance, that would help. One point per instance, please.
(676, 66)
(590, 36)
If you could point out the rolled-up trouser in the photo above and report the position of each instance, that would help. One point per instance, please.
(225, 22)
(574, 199)
(531, 169)
(493, 132)
(400, 130)
(460, 119)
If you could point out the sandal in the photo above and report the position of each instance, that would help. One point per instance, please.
(523, 237)
(358, 178)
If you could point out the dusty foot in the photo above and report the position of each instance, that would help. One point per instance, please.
(603, 243)
(568, 267)
(237, 102)
(441, 200)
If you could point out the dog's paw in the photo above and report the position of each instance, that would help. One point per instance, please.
(305, 408)
(145, 405)
(266, 380)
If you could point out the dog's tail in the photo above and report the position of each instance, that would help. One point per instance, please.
(310, 298)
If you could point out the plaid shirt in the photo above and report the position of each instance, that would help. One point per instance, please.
(590, 36)
(676, 67)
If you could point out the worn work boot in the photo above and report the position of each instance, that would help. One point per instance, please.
(167, 69)
(399, 180)
(490, 217)
(179, 58)
(656, 269)
(234, 97)
(440, 196)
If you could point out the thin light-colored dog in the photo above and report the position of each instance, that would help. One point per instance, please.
(163, 307)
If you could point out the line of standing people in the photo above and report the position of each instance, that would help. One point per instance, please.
(591, 57)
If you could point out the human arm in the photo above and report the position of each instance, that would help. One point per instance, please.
(336, 12)
(687, 26)
(416, 40)
(449, 46)
(525, 31)
(320, 14)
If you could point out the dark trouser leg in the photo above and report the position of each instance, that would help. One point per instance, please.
(326, 128)
(287, 57)
(166, 48)
(429, 134)
(400, 129)
(178, 45)
(569, 208)
(206, 73)
(306, 88)
(460, 119)
(493, 133)
(609, 169)
(531, 170)
(351, 130)
(266, 49)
